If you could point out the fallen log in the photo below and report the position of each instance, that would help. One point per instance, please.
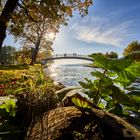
(71, 123)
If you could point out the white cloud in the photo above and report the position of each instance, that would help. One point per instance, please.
(101, 30)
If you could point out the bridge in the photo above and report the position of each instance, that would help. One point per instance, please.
(68, 56)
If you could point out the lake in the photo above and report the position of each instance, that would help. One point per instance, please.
(69, 72)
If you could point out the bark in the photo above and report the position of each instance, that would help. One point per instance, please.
(73, 123)
(35, 52)
(5, 18)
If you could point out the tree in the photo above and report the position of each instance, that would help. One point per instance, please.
(57, 12)
(23, 56)
(33, 34)
(5, 18)
(111, 55)
(36, 19)
(133, 50)
(7, 55)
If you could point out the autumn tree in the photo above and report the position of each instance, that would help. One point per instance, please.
(133, 50)
(35, 20)
(33, 34)
(56, 11)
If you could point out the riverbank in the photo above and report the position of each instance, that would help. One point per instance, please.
(29, 107)
(25, 93)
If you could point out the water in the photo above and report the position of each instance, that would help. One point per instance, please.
(70, 75)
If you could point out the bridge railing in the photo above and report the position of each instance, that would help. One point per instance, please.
(68, 55)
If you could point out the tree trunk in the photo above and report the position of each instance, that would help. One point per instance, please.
(35, 52)
(5, 18)
(71, 123)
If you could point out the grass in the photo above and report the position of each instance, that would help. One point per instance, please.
(22, 78)
(14, 67)
(25, 93)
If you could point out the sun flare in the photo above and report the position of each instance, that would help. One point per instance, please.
(50, 36)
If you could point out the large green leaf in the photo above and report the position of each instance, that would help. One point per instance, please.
(97, 74)
(120, 97)
(125, 78)
(129, 75)
(111, 73)
(106, 81)
(134, 93)
(100, 60)
(134, 69)
(109, 104)
(130, 108)
(135, 97)
(84, 85)
(118, 65)
(117, 109)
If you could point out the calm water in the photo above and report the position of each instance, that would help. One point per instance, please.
(70, 75)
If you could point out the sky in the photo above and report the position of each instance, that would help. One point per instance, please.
(110, 26)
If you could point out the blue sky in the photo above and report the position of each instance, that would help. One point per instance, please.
(110, 26)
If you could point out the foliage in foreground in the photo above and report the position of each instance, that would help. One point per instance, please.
(19, 81)
(25, 94)
(109, 89)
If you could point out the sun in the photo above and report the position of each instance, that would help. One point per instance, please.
(50, 36)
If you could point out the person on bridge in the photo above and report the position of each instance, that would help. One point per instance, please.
(65, 54)
(74, 54)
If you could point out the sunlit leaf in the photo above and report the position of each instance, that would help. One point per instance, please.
(125, 78)
(80, 102)
(101, 61)
(119, 64)
(111, 73)
(134, 69)
(97, 74)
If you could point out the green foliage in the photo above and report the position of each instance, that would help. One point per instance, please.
(34, 20)
(23, 80)
(7, 105)
(30, 86)
(111, 55)
(80, 102)
(23, 56)
(110, 84)
(7, 55)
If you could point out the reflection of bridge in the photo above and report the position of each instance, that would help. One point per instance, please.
(68, 56)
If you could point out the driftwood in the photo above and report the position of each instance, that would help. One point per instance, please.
(71, 123)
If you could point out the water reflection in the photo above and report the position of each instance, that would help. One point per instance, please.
(70, 74)
(52, 70)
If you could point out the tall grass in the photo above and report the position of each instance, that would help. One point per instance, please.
(33, 90)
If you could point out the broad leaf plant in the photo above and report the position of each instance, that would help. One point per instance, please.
(110, 88)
